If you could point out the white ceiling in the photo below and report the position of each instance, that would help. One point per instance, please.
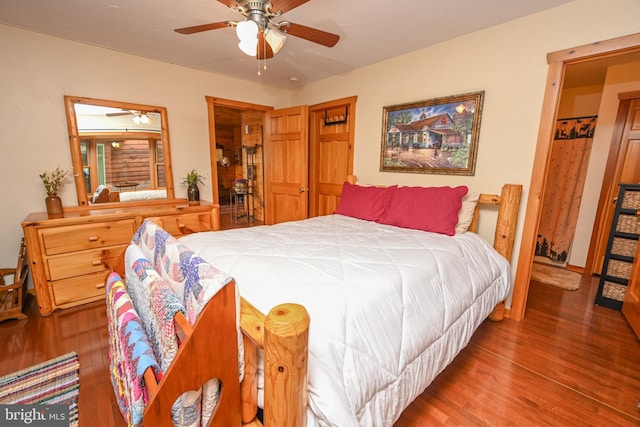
(370, 30)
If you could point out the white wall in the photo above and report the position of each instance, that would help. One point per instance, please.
(507, 61)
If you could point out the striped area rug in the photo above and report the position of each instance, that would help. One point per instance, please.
(55, 381)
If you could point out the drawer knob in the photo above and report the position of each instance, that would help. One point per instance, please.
(100, 285)
(93, 238)
(96, 262)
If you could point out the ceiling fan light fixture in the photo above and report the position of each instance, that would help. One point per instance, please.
(247, 31)
(141, 118)
(250, 47)
(275, 38)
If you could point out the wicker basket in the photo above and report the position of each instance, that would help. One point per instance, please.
(628, 224)
(631, 200)
(614, 291)
(619, 269)
(624, 247)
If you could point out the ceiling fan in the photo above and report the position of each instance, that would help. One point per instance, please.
(259, 35)
(139, 117)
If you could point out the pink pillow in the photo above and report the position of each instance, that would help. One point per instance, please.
(369, 203)
(425, 208)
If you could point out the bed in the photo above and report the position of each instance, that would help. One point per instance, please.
(132, 196)
(378, 308)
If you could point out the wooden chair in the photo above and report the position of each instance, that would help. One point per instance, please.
(12, 294)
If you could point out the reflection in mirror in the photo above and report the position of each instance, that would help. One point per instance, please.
(120, 151)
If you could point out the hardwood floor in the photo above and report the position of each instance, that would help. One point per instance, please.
(227, 222)
(567, 363)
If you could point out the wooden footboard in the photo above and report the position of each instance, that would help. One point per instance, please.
(282, 335)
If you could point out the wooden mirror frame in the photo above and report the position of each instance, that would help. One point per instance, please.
(74, 142)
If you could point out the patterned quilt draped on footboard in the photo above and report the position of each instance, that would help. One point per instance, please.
(163, 278)
(130, 352)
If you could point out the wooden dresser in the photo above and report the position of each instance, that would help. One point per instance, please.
(70, 257)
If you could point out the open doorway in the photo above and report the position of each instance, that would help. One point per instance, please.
(559, 64)
(235, 139)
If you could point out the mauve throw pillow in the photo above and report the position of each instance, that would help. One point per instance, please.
(432, 209)
(368, 203)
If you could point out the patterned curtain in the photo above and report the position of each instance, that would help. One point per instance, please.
(570, 151)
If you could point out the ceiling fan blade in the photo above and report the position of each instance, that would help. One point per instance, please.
(124, 113)
(312, 34)
(264, 50)
(203, 27)
(282, 5)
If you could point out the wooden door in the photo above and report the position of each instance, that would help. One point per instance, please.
(286, 159)
(331, 128)
(623, 166)
(631, 304)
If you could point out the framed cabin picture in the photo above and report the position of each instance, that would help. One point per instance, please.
(438, 136)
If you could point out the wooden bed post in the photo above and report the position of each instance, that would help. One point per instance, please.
(249, 384)
(506, 231)
(286, 336)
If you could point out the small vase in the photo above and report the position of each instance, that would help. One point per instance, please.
(54, 207)
(193, 195)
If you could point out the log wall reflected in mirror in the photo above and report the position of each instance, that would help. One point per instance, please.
(120, 151)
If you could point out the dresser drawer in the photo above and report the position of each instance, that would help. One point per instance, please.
(83, 262)
(80, 237)
(79, 288)
(182, 224)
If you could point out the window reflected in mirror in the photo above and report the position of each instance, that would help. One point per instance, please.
(120, 151)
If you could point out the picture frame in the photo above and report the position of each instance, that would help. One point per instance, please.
(436, 136)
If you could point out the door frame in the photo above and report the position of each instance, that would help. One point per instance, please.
(211, 103)
(557, 63)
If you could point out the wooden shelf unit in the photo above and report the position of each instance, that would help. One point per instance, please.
(70, 257)
(621, 248)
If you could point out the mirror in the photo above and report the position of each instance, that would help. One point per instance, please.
(120, 151)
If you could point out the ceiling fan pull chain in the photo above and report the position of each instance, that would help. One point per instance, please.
(264, 48)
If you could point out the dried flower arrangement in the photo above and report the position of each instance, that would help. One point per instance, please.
(53, 181)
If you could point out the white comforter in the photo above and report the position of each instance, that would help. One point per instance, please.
(132, 196)
(390, 308)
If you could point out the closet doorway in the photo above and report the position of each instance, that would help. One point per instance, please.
(622, 49)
